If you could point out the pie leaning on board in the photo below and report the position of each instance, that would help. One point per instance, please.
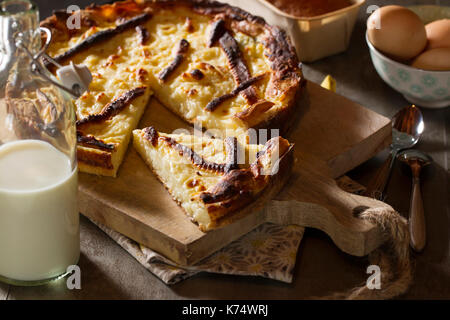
(208, 62)
(215, 181)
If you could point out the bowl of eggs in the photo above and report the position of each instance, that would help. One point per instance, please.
(410, 50)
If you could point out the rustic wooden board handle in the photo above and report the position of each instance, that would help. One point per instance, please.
(313, 199)
(359, 239)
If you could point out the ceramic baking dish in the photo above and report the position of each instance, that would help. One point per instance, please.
(321, 36)
(314, 38)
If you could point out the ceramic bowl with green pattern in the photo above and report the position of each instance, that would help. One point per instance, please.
(422, 87)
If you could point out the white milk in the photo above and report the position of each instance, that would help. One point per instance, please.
(39, 220)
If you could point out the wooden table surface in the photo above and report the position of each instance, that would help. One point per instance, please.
(109, 272)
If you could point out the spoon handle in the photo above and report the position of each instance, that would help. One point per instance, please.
(377, 185)
(416, 216)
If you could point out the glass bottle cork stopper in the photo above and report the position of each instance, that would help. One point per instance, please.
(75, 79)
(75, 76)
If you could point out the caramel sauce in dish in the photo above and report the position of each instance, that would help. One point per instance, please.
(39, 220)
(309, 8)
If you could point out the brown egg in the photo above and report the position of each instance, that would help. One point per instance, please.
(435, 59)
(397, 31)
(438, 34)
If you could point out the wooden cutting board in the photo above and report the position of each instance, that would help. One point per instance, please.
(332, 136)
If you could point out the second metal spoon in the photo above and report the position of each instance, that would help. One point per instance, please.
(417, 228)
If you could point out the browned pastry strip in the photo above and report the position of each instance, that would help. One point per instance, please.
(237, 65)
(216, 102)
(254, 111)
(197, 74)
(217, 30)
(152, 135)
(102, 36)
(143, 34)
(235, 183)
(114, 107)
(234, 56)
(192, 155)
(183, 47)
(195, 157)
(284, 60)
(93, 142)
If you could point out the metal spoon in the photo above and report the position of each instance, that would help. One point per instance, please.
(407, 127)
(416, 160)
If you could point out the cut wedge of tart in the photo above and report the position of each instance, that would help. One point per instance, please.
(111, 109)
(212, 64)
(215, 181)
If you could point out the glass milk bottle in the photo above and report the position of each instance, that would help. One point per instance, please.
(39, 220)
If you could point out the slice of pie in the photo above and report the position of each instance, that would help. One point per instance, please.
(119, 92)
(215, 181)
(212, 64)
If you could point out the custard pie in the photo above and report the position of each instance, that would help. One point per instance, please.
(210, 63)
